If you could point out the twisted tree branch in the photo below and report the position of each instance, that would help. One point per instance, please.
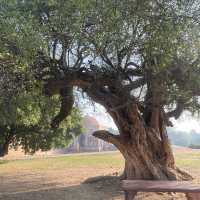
(67, 101)
(108, 137)
(176, 113)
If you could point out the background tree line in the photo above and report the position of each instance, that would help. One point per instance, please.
(186, 139)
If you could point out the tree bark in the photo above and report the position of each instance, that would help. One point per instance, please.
(146, 150)
(4, 149)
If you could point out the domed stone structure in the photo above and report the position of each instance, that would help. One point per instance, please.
(88, 143)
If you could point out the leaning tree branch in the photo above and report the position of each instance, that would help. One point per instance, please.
(106, 59)
(108, 137)
(132, 64)
(67, 101)
(176, 113)
(136, 84)
(134, 72)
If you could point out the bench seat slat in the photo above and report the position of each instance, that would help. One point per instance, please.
(160, 186)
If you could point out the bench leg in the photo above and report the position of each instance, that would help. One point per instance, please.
(193, 196)
(130, 195)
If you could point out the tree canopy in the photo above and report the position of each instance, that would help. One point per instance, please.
(139, 59)
(137, 43)
(26, 113)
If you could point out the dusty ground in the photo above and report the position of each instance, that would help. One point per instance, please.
(70, 178)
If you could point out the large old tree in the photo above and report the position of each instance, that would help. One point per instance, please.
(139, 59)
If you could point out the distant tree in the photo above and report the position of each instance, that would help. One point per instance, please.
(195, 138)
(179, 138)
(183, 138)
(194, 146)
(139, 59)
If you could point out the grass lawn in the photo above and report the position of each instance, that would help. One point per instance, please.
(63, 177)
(63, 162)
(191, 161)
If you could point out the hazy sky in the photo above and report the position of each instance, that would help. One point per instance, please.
(186, 123)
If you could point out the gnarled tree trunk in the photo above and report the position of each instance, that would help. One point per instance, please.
(147, 154)
(147, 151)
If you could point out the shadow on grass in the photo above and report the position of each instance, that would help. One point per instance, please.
(97, 188)
(3, 162)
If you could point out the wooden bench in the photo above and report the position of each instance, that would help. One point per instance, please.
(131, 187)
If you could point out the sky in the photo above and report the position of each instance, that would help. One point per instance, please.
(100, 114)
(186, 123)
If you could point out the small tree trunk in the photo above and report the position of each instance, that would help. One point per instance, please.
(4, 149)
(7, 141)
(1, 152)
